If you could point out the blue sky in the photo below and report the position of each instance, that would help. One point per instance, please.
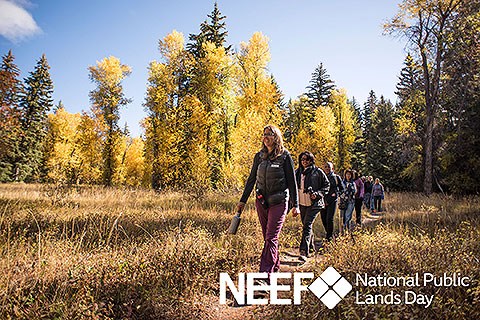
(345, 35)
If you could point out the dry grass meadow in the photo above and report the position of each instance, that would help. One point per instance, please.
(96, 253)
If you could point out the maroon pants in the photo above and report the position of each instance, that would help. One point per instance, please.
(271, 220)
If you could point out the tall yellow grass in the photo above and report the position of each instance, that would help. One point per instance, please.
(99, 253)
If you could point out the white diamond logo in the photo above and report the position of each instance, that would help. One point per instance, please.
(330, 287)
(330, 276)
(342, 287)
(330, 299)
(318, 287)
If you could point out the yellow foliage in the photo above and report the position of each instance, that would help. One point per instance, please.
(256, 105)
(109, 71)
(324, 132)
(172, 47)
(134, 162)
(63, 159)
(200, 175)
(89, 143)
(345, 128)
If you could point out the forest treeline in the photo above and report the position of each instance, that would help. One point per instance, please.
(206, 105)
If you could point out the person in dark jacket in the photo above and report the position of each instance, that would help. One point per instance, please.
(367, 196)
(348, 196)
(312, 185)
(358, 197)
(276, 190)
(335, 189)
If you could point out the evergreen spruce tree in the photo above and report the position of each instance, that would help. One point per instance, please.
(210, 82)
(383, 145)
(213, 30)
(35, 104)
(358, 148)
(368, 109)
(409, 79)
(320, 87)
(10, 91)
(410, 124)
(459, 157)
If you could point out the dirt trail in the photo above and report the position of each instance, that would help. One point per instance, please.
(289, 262)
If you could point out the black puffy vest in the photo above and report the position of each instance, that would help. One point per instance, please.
(271, 180)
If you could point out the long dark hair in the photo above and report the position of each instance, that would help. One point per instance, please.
(345, 174)
(278, 147)
(309, 156)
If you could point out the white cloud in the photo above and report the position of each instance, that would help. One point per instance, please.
(15, 22)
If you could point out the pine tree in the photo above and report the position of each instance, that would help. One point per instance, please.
(358, 148)
(35, 104)
(410, 124)
(368, 108)
(383, 145)
(10, 130)
(461, 97)
(106, 100)
(320, 87)
(213, 30)
(279, 96)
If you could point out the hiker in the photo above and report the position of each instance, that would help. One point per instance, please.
(367, 195)
(312, 185)
(276, 191)
(347, 199)
(378, 195)
(336, 187)
(358, 197)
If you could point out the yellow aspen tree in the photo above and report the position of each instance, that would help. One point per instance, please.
(63, 162)
(323, 129)
(107, 98)
(133, 162)
(315, 134)
(89, 143)
(298, 125)
(212, 104)
(166, 137)
(344, 128)
(256, 103)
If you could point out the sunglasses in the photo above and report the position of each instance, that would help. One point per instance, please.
(305, 159)
(268, 134)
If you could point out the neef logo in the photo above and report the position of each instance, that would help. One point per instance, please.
(330, 287)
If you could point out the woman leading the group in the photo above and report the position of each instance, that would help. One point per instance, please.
(276, 192)
(312, 184)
